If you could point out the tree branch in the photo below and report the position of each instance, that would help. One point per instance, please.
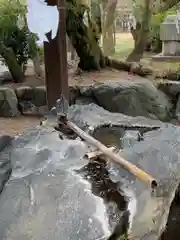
(166, 5)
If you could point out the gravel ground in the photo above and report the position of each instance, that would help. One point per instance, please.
(17, 125)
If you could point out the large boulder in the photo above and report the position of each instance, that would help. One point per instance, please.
(52, 184)
(45, 197)
(5, 77)
(5, 163)
(32, 100)
(8, 103)
(171, 88)
(96, 116)
(133, 98)
(157, 155)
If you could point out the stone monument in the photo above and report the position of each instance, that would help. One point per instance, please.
(170, 36)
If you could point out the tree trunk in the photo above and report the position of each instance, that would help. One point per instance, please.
(108, 42)
(137, 53)
(12, 63)
(84, 38)
(108, 29)
(114, 34)
(164, 5)
(37, 65)
(135, 33)
(35, 56)
(96, 13)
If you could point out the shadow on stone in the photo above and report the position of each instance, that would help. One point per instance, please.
(97, 174)
(172, 230)
(5, 164)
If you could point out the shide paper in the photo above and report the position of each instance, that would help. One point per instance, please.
(42, 19)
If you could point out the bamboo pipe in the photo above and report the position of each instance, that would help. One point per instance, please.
(95, 154)
(139, 173)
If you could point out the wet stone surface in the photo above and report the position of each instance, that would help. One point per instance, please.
(54, 193)
(157, 154)
(5, 164)
(45, 198)
(172, 230)
(97, 174)
(117, 136)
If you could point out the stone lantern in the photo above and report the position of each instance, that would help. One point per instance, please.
(170, 36)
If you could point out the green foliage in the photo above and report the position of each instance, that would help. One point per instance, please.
(178, 72)
(14, 32)
(74, 20)
(17, 40)
(155, 29)
(10, 11)
(138, 11)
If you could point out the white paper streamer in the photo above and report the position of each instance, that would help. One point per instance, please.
(85, 18)
(42, 19)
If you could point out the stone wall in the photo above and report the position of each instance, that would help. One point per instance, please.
(26, 100)
(132, 98)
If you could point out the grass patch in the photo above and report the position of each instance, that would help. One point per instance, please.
(124, 46)
(123, 49)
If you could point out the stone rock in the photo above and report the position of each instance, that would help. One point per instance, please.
(157, 155)
(5, 77)
(33, 100)
(45, 197)
(36, 95)
(102, 117)
(133, 98)
(86, 91)
(5, 164)
(29, 108)
(24, 93)
(74, 93)
(39, 96)
(8, 103)
(171, 88)
(84, 100)
(178, 108)
(4, 141)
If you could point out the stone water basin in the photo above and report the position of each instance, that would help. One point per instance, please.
(119, 137)
(157, 154)
(122, 138)
(54, 193)
(51, 186)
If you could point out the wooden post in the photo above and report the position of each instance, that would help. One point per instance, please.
(55, 58)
